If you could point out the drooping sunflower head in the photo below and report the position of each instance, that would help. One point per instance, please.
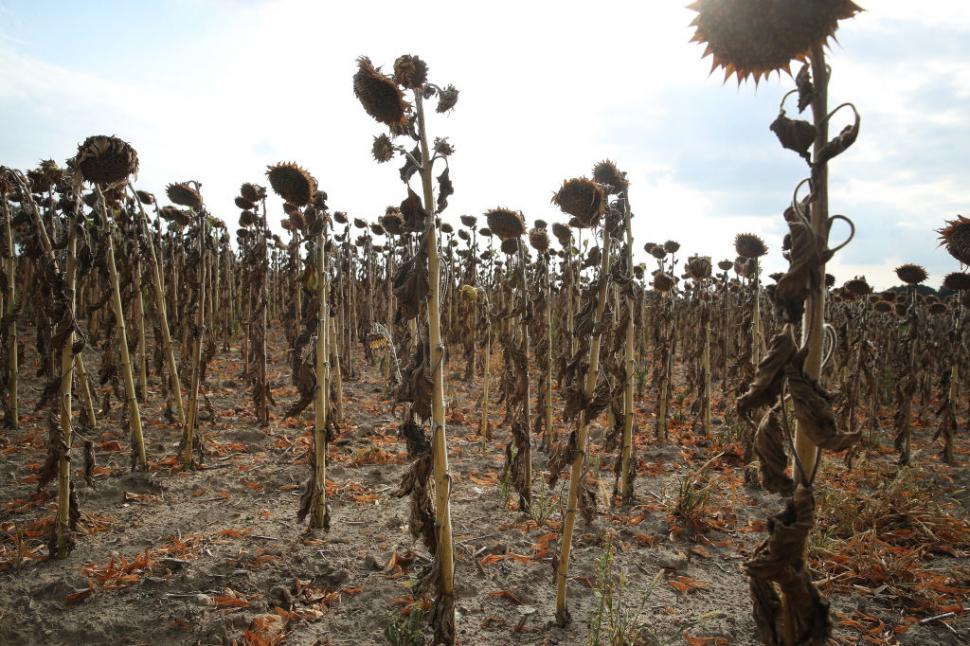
(857, 286)
(510, 246)
(671, 246)
(393, 222)
(748, 245)
(382, 149)
(956, 236)
(699, 267)
(105, 160)
(294, 184)
(883, 307)
(583, 199)
(758, 37)
(725, 265)
(410, 71)
(45, 177)
(380, 96)
(252, 192)
(958, 281)
(663, 282)
(610, 177)
(505, 223)
(539, 239)
(562, 233)
(469, 221)
(447, 98)
(184, 194)
(911, 274)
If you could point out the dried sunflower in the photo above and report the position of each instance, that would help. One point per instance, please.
(443, 147)
(469, 221)
(663, 282)
(105, 160)
(583, 199)
(883, 307)
(725, 265)
(957, 281)
(382, 149)
(562, 233)
(612, 178)
(539, 239)
(294, 184)
(858, 286)
(510, 245)
(410, 72)
(748, 245)
(447, 98)
(393, 223)
(380, 95)
(758, 37)
(184, 194)
(252, 192)
(956, 236)
(699, 267)
(45, 177)
(671, 246)
(505, 223)
(911, 274)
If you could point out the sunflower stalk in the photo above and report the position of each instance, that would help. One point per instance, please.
(65, 524)
(582, 434)
(445, 626)
(141, 347)
(198, 338)
(161, 311)
(319, 514)
(140, 461)
(627, 472)
(526, 494)
(9, 313)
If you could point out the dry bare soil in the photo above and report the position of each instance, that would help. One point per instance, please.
(216, 555)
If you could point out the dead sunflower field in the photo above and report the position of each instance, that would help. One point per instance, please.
(419, 427)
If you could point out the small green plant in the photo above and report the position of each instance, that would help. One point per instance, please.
(543, 504)
(405, 629)
(505, 488)
(693, 493)
(612, 623)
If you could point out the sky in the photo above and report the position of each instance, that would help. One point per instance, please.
(215, 90)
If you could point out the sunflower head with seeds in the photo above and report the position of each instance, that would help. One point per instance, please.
(753, 38)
